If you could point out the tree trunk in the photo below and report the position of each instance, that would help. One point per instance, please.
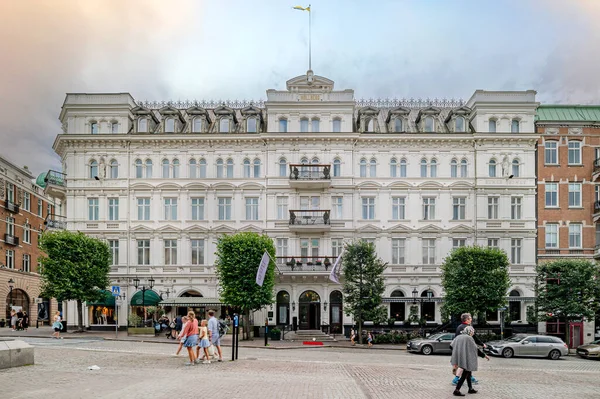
(360, 332)
(246, 331)
(79, 316)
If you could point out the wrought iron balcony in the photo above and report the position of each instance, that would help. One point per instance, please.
(310, 220)
(310, 175)
(11, 240)
(305, 263)
(12, 207)
(56, 222)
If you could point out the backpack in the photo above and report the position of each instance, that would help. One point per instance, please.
(222, 328)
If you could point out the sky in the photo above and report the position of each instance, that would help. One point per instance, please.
(237, 49)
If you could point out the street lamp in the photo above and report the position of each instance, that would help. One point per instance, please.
(293, 305)
(136, 284)
(325, 306)
(11, 283)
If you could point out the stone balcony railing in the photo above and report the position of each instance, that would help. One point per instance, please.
(305, 263)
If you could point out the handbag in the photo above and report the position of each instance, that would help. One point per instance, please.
(211, 351)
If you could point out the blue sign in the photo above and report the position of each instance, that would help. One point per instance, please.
(116, 290)
(235, 321)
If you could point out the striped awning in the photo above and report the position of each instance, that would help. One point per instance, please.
(192, 301)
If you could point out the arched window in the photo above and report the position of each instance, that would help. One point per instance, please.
(114, 169)
(93, 168)
(193, 169)
(142, 125)
(370, 125)
(514, 126)
(515, 168)
(337, 167)
(393, 167)
(337, 125)
(315, 169)
(303, 125)
(283, 308)
(165, 168)
(170, 125)
(224, 125)
(304, 169)
(398, 125)
(251, 125)
(463, 168)
(148, 168)
(283, 125)
(423, 167)
(220, 172)
(492, 168)
(94, 127)
(256, 167)
(459, 124)
(202, 168)
(428, 124)
(114, 127)
(315, 125)
(363, 167)
(230, 168)
(373, 168)
(492, 126)
(453, 168)
(197, 126)
(176, 168)
(282, 167)
(403, 167)
(247, 167)
(514, 307)
(139, 169)
(433, 168)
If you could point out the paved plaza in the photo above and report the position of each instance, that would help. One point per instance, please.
(130, 369)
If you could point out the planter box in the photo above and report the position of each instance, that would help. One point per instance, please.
(141, 331)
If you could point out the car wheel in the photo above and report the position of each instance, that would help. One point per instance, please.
(508, 353)
(554, 354)
(427, 350)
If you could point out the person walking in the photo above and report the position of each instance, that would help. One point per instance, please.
(13, 320)
(466, 321)
(57, 325)
(25, 320)
(369, 340)
(178, 327)
(204, 343)
(181, 337)
(213, 333)
(352, 336)
(464, 356)
(191, 337)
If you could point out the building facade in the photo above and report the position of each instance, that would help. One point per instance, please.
(568, 192)
(313, 168)
(25, 211)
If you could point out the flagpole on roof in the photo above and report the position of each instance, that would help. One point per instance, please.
(309, 39)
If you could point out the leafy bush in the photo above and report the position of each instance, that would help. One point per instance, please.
(134, 320)
(394, 337)
(487, 337)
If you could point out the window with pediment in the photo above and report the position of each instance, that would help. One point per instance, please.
(515, 126)
(459, 124)
(282, 167)
(229, 169)
(170, 125)
(197, 125)
(398, 125)
(251, 125)
(283, 125)
(492, 125)
(143, 125)
(428, 124)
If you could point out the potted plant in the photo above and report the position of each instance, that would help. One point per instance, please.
(136, 328)
(275, 334)
(298, 263)
(319, 263)
(413, 316)
(309, 263)
(391, 321)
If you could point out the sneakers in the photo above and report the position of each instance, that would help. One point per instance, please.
(474, 380)
(189, 364)
(206, 362)
(197, 361)
(455, 380)
(472, 391)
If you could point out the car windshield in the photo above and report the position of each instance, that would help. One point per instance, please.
(435, 336)
(516, 338)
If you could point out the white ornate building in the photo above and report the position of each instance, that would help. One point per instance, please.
(161, 181)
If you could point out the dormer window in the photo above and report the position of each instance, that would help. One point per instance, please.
(492, 126)
(398, 125)
(197, 125)
(170, 125)
(143, 125)
(315, 125)
(283, 125)
(303, 125)
(224, 125)
(94, 127)
(370, 125)
(459, 124)
(337, 125)
(251, 125)
(514, 126)
(428, 124)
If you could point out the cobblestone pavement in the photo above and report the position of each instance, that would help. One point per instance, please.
(136, 369)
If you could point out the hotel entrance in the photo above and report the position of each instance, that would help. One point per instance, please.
(310, 311)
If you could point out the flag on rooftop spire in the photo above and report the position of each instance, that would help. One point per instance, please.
(301, 8)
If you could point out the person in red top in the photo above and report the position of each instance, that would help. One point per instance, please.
(190, 332)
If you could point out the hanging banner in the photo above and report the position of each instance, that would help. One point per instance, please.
(262, 269)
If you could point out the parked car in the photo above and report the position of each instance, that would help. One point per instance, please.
(529, 345)
(436, 343)
(590, 351)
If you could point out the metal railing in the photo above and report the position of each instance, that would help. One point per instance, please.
(56, 222)
(11, 240)
(56, 178)
(304, 263)
(12, 207)
(307, 172)
(299, 217)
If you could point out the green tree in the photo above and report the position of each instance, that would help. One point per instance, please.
(475, 280)
(363, 284)
(75, 268)
(238, 257)
(568, 290)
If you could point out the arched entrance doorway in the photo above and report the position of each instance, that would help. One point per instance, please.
(199, 311)
(336, 312)
(428, 306)
(283, 308)
(514, 306)
(19, 300)
(397, 309)
(309, 310)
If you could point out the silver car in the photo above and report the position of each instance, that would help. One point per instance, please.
(529, 345)
(436, 343)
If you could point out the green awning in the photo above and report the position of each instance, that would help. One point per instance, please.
(151, 298)
(192, 301)
(107, 300)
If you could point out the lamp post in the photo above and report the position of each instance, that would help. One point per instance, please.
(121, 297)
(136, 284)
(429, 296)
(11, 283)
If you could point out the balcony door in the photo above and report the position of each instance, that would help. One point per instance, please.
(309, 249)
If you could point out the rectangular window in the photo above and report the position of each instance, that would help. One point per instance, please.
(574, 152)
(283, 125)
(170, 209)
(552, 235)
(429, 251)
(398, 208)
(281, 249)
(551, 152)
(493, 207)
(224, 204)
(282, 208)
(398, 248)
(493, 243)
(368, 208)
(515, 250)
(93, 209)
(114, 251)
(170, 252)
(10, 192)
(143, 208)
(197, 252)
(143, 247)
(113, 209)
(10, 258)
(575, 235)
(252, 208)
(551, 195)
(458, 242)
(337, 209)
(428, 208)
(40, 208)
(10, 226)
(458, 208)
(574, 195)
(515, 207)
(27, 233)
(336, 248)
(197, 208)
(27, 202)
(26, 263)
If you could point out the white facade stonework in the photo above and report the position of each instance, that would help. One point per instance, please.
(416, 180)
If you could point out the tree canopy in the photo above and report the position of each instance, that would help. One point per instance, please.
(475, 280)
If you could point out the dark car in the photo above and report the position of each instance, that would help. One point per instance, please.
(436, 343)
